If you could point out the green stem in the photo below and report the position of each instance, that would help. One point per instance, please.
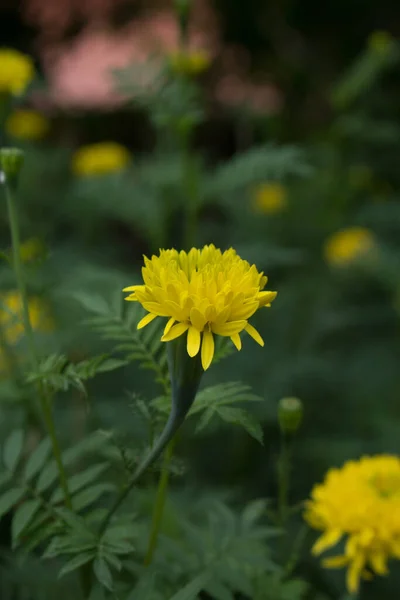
(159, 504)
(283, 479)
(45, 399)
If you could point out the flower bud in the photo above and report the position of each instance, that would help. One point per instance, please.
(290, 414)
(182, 8)
(11, 161)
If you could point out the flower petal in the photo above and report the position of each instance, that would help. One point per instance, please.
(327, 540)
(193, 341)
(354, 573)
(146, 320)
(132, 288)
(335, 562)
(252, 331)
(156, 308)
(229, 328)
(197, 318)
(175, 332)
(236, 340)
(266, 297)
(169, 324)
(207, 349)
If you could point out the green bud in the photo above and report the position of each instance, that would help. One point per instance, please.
(290, 414)
(182, 8)
(11, 161)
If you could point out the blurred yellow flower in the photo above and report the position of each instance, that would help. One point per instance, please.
(100, 159)
(16, 71)
(11, 324)
(347, 245)
(26, 124)
(204, 293)
(359, 503)
(269, 198)
(380, 42)
(32, 249)
(189, 63)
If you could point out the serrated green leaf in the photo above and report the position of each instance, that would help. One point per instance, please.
(22, 517)
(37, 459)
(80, 480)
(103, 573)
(193, 588)
(47, 477)
(92, 303)
(10, 499)
(13, 448)
(91, 495)
(254, 511)
(77, 561)
(110, 364)
(239, 416)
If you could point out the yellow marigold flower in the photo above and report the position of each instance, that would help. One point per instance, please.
(359, 503)
(26, 124)
(11, 323)
(204, 293)
(32, 249)
(269, 198)
(100, 159)
(16, 71)
(380, 42)
(189, 63)
(347, 245)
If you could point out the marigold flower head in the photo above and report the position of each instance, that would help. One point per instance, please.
(16, 71)
(269, 198)
(347, 245)
(27, 124)
(359, 503)
(192, 62)
(202, 293)
(100, 159)
(11, 323)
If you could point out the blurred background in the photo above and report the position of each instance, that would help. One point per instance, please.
(272, 126)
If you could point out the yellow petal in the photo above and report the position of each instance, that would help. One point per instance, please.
(146, 320)
(197, 319)
(245, 311)
(327, 540)
(175, 332)
(132, 288)
(378, 561)
(169, 324)
(335, 562)
(228, 329)
(193, 341)
(266, 297)
(254, 334)
(354, 574)
(207, 349)
(156, 308)
(236, 340)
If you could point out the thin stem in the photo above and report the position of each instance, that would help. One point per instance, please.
(283, 479)
(45, 399)
(159, 504)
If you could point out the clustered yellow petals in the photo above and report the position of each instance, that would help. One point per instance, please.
(269, 198)
(359, 504)
(202, 293)
(190, 62)
(100, 159)
(347, 245)
(16, 71)
(26, 124)
(11, 323)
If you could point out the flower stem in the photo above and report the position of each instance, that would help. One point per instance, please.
(283, 479)
(45, 399)
(160, 503)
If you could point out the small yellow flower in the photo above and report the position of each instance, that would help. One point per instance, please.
(202, 293)
(32, 249)
(16, 71)
(269, 198)
(189, 63)
(27, 124)
(359, 504)
(11, 323)
(380, 42)
(100, 159)
(345, 246)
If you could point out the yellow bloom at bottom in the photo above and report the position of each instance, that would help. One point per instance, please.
(347, 245)
(359, 504)
(202, 293)
(27, 124)
(269, 198)
(100, 159)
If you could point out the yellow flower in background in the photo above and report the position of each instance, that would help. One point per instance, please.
(269, 198)
(189, 63)
(32, 249)
(359, 504)
(202, 293)
(347, 245)
(380, 42)
(11, 323)
(26, 124)
(100, 159)
(16, 71)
